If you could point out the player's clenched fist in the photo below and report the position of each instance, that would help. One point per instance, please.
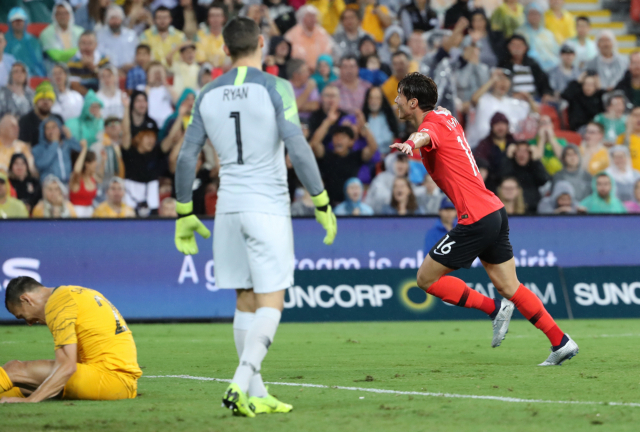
(325, 216)
(186, 224)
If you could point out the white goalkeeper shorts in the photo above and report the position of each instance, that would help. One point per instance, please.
(253, 250)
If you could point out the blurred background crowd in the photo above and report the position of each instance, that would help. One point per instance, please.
(95, 97)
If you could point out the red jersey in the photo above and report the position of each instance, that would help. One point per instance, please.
(449, 161)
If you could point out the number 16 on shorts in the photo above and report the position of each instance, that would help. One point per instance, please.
(444, 248)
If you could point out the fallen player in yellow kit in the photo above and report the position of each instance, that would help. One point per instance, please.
(95, 355)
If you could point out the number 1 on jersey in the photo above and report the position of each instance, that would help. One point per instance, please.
(236, 116)
(467, 150)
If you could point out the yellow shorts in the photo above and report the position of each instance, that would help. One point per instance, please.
(91, 382)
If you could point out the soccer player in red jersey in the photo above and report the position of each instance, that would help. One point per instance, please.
(482, 230)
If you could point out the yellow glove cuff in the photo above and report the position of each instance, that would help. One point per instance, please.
(184, 208)
(321, 199)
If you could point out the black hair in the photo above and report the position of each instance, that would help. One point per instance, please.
(348, 57)
(344, 130)
(88, 33)
(161, 9)
(386, 109)
(421, 87)
(583, 18)
(603, 174)
(219, 5)
(17, 287)
(400, 53)
(241, 37)
(344, 12)
(600, 126)
(143, 46)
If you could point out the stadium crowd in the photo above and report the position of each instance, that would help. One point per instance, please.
(94, 104)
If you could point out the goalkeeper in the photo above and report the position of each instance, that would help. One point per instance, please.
(250, 118)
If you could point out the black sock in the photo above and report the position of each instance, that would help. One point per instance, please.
(563, 342)
(493, 314)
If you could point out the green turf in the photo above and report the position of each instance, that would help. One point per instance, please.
(453, 357)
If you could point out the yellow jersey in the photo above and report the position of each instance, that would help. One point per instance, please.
(82, 316)
(634, 148)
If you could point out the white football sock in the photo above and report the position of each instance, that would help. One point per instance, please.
(241, 324)
(256, 344)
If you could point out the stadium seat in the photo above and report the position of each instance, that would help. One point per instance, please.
(36, 28)
(4, 27)
(122, 83)
(570, 136)
(34, 81)
(550, 111)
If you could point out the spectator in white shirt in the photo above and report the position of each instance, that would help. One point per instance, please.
(68, 102)
(109, 93)
(116, 41)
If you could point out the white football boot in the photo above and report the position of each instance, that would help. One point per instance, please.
(501, 322)
(569, 350)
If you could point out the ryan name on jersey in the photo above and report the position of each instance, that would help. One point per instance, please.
(235, 93)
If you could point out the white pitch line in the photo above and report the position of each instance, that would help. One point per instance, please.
(412, 393)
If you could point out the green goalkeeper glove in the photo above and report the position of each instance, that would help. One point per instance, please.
(186, 224)
(325, 216)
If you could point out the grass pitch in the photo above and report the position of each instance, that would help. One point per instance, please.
(449, 357)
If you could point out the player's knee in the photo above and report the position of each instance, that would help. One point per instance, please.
(14, 369)
(425, 280)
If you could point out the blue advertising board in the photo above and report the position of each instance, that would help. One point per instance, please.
(135, 264)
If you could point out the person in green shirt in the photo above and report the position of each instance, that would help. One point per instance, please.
(549, 145)
(603, 198)
(9, 206)
(614, 119)
(507, 17)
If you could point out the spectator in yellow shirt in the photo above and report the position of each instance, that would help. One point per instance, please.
(209, 40)
(185, 71)
(375, 19)
(330, 12)
(113, 207)
(595, 154)
(632, 138)
(163, 38)
(561, 22)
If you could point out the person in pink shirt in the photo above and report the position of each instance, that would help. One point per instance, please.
(308, 39)
(352, 89)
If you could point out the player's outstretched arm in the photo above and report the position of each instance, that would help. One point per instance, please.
(187, 223)
(63, 367)
(415, 141)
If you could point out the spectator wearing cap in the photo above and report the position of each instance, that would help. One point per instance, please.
(491, 98)
(116, 41)
(347, 40)
(23, 46)
(543, 47)
(507, 17)
(376, 18)
(110, 93)
(43, 101)
(527, 75)
(342, 163)
(114, 206)
(19, 89)
(565, 72)
(27, 187)
(630, 83)
(10, 207)
(185, 70)
(86, 63)
(10, 144)
(162, 37)
(446, 222)
(209, 37)
(418, 16)
(352, 88)
(137, 75)
(307, 38)
(59, 39)
(352, 204)
(304, 88)
(68, 103)
(6, 61)
(585, 100)
(492, 149)
(53, 154)
(379, 193)
(609, 64)
(560, 21)
(54, 203)
(586, 49)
